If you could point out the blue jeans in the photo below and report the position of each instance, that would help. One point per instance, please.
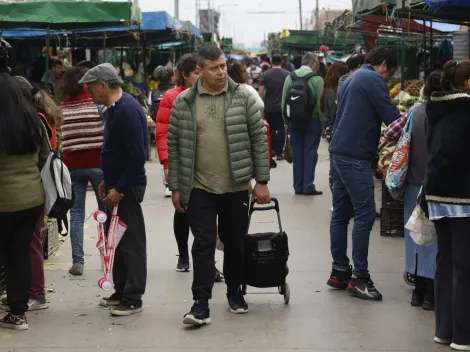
(353, 196)
(80, 179)
(305, 142)
(419, 259)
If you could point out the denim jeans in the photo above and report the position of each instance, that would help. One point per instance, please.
(80, 179)
(353, 196)
(305, 142)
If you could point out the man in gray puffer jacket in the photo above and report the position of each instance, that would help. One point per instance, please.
(216, 143)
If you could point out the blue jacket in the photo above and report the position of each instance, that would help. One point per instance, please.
(124, 150)
(363, 104)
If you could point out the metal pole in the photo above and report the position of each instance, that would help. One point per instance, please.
(48, 44)
(424, 47)
(177, 9)
(104, 48)
(431, 39)
(300, 15)
(317, 16)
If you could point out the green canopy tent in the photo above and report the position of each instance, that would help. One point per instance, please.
(301, 40)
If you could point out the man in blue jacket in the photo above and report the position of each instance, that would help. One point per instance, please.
(363, 104)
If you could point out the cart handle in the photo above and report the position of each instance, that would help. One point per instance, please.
(271, 207)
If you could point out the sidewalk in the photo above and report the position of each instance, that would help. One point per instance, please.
(317, 319)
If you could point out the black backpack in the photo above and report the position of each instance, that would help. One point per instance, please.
(299, 105)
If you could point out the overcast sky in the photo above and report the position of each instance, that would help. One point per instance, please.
(249, 29)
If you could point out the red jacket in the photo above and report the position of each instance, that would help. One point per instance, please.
(163, 121)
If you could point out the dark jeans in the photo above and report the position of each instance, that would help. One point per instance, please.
(80, 179)
(278, 132)
(230, 211)
(16, 231)
(37, 290)
(452, 282)
(305, 142)
(353, 195)
(130, 262)
(181, 229)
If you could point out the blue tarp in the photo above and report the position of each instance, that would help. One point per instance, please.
(29, 33)
(447, 3)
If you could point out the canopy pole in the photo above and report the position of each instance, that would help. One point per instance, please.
(72, 57)
(104, 48)
(146, 76)
(424, 47)
(432, 44)
(48, 44)
(403, 58)
(122, 64)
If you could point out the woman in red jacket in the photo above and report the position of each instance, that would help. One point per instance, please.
(188, 75)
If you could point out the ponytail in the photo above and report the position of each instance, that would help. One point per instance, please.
(455, 75)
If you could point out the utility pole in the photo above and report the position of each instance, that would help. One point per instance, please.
(317, 16)
(177, 8)
(300, 14)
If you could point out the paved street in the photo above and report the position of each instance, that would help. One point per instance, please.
(317, 319)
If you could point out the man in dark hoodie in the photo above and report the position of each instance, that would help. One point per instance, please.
(363, 104)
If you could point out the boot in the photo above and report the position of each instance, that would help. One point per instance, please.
(428, 303)
(417, 298)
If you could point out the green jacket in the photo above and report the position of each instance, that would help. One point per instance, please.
(316, 86)
(246, 136)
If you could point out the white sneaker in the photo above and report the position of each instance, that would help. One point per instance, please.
(456, 347)
(442, 341)
(168, 193)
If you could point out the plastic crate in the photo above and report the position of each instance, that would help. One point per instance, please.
(392, 222)
(50, 237)
(387, 200)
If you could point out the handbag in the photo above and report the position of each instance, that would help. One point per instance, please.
(288, 151)
(422, 230)
(398, 168)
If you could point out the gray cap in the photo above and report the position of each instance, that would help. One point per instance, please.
(101, 73)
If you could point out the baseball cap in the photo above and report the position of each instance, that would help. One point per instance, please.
(101, 73)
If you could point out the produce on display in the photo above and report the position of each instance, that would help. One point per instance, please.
(414, 88)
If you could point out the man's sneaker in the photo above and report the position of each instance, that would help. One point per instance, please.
(111, 301)
(339, 279)
(76, 269)
(125, 309)
(442, 341)
(219, 276)
(14, 322)
(364, 288)
(456, 347)
(199, 314)
(34, 304)
(168, 193)
(183, 264)
(237, 303)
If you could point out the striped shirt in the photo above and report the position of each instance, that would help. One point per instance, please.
(82, 131)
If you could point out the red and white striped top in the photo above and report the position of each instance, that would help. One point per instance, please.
(82, 131)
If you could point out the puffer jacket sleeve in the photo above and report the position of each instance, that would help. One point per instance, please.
(258, 139)
(173, 147)
(163, 122)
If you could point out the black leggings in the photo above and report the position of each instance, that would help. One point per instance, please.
(181, 229)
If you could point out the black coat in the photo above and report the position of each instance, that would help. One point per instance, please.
(448, 139)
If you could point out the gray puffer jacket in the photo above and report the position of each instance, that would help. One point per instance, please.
(246, 135)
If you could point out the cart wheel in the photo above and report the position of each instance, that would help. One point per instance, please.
(409, 278)
(286, 290)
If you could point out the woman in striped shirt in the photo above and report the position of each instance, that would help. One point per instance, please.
(82, 137)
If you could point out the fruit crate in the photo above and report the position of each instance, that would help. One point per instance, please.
(2, 279)
(392, 215)
(50, 237)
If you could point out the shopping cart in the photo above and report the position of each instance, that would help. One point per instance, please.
(107, 244)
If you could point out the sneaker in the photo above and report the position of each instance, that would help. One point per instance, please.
(111, 301)
(14, 322)
(280, 157)
(364, 288)
(168, 193)
(37, 304)
(76, 269)
(183, 265)
(199, 314)
(456, 347)
(339, 279)
(417, 299)
(237, 303)
(219, 276)
(125, 309)
(442, 341)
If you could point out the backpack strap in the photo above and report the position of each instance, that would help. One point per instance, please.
(100, 112)
(293, 77)
(308, 76)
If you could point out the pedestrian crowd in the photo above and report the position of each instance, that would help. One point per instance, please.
(245, 113)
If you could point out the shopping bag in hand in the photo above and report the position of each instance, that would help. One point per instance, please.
(288, 152)
(422, 230)
(398, 168)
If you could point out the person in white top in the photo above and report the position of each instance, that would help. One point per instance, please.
(253, 75)
(236, 71)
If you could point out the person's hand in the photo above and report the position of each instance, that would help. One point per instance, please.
(102, 190)
(113, 198)
(166, 175)
(176, 198)
(261, 194)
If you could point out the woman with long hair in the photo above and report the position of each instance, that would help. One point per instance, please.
(24, 149)
(447, 192)
(49, 112)
(82, 137)
(328, 100)
(419, 260)
(237, 72)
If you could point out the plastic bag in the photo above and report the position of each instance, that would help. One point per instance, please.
(422, 230)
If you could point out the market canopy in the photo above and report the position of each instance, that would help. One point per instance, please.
(302, 40)
(67, 15)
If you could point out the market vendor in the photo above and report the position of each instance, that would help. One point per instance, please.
(54, 76)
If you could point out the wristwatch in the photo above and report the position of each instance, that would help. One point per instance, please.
(262, 182)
